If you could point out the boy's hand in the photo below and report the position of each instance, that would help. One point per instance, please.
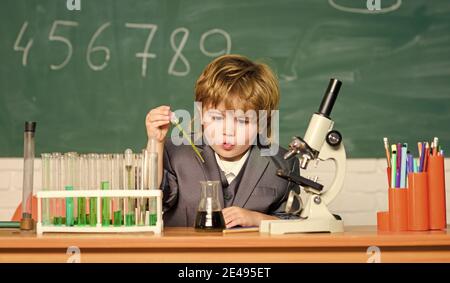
(235, 216)
(157, 122)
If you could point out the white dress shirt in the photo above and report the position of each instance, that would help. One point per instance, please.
(231, 168)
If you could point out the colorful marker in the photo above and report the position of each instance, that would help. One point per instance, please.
(386, 148)
(403, 166)
(394, 166)
(422, 157)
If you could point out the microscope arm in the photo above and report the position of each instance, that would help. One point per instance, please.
(337, 154)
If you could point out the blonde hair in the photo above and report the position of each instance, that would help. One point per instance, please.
(240, 83)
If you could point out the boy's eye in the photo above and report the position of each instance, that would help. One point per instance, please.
(216, 117)
(243, 120)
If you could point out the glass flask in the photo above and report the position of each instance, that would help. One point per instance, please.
(209, 213)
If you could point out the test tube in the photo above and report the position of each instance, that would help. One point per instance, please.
(117, 180)
(105, 185)
(153, 180)
(70, 181)
(76, 186)
(52, 186)
(144, 186)
(129, 202)
(83, 185)
(45, 164)
(137, 186)
(122, 186)
(27, 222)
(57, 185)
(94, 184)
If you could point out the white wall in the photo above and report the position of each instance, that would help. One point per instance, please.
(364, 192)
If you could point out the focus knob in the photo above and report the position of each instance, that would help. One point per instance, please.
(334, 138)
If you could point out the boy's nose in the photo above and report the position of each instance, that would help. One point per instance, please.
(229, 126)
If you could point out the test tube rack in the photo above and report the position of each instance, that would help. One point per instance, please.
(100, 194)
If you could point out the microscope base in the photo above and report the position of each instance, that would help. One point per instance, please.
(301, 226)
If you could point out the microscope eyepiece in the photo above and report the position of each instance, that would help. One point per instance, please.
(330, 97)
(30, 126)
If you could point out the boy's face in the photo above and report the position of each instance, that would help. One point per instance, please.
(230, 132)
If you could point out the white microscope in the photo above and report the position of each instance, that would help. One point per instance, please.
(321, 142)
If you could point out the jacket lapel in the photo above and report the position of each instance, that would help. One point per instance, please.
(252, 173)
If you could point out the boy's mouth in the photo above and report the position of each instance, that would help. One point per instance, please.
(227, 146)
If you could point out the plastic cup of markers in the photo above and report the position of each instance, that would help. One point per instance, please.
(398, 209)
(418, 210)
(436, 192)
(383, 221)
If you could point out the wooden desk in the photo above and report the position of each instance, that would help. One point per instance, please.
(186, 245)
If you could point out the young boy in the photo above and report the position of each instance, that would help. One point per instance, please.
(230, 148)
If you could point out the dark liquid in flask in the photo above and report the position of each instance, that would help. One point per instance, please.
(209, 221)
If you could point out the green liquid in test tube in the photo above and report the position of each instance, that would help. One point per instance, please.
(57, 185)
(82, 220)
(69, 208)
(143, 186)
(130, 219)
(118, 218)
(106, 209)
(138, 186)
(70, 181)
(46, 157)
(152, 179)
(94, 181)
(83, 185)
(92, 211)
(117, 180)
(105, 185)
(153, 214)
(106, 219)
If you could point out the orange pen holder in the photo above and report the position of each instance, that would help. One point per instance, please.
(418, 205)
(383, 221)
(436, 193)
(398, 209)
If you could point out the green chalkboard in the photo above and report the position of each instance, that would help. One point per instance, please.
(81, 74)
